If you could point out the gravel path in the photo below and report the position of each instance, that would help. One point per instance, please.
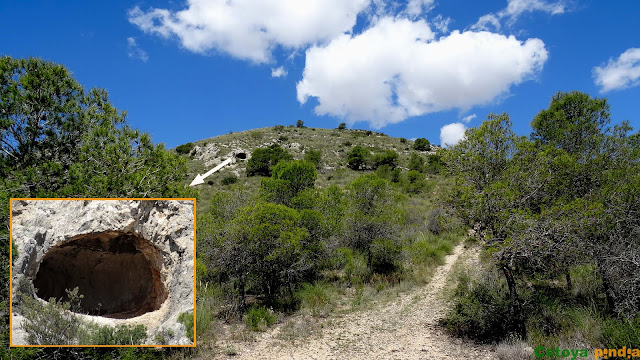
(406, 328)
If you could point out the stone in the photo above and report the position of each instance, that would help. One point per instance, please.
(132, 260)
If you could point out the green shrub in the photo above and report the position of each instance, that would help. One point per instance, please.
(51, 323)
(481, 311)
(387, 157)
(185, 148)
(357, 158)
(416, 162)
(434, 221)
(619, 332)
(415, 182)
(278, 128)
(429, 249)
(314, 157)
(342, 126)
(385, 255)
(403, 140)
(435, 164)
(256, 135)
(228, 180)
(283, 138)
(186, 319)
(315, 297)
(258, 318)
(356, 270)
(421, 144)
(119, 335)
(263, 159)
(299, 124)
(347, 143)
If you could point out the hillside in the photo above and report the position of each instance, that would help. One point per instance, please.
(334, 145)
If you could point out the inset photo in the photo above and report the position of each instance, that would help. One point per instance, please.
(103, 272)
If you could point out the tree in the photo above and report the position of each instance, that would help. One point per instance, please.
(387, 157)
(287, 180)
(421, 144)
(416, 162)
(58, 140)
(263, 159)
(299, 124)
(357, 158)
(314, 157)
(342, 126)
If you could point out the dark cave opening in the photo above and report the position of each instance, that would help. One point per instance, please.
(118, 274)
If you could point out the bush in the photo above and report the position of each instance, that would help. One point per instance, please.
(387, 157)
(621, 332)
(186, 319)
(416, 162)
(403, 140)
(315, 297)
(422, 144)
(357, 158)
(185, 148)
(228, 180)
(415, 182)
(481, 311)
(385, 255)
(263, 159)
(342, 126)
(435, 164)
(429, 250)
(299, 124)
(258, 318)
(51, 323)
(434, 221)
(256, 135)
(314, 157)
(355, 266)
(278, 128)
(119, 335)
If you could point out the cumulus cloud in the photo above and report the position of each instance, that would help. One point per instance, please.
(397, 69)
(278, 72)
(467, 119)
(451, 134)
(135, 51)
(621, 73)
(250, 29)
(515, 8)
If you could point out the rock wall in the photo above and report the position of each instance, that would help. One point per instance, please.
(133, 260)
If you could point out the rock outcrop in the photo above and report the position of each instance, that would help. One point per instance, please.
(131, 259)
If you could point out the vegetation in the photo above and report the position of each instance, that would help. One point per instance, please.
(59, 140)
(185, 148)
(561, 200)
(264, 158)
(421, 144)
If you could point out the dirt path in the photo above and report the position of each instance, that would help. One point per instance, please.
(406, 328)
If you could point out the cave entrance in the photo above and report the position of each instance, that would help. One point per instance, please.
(241, 155)
(117, 272)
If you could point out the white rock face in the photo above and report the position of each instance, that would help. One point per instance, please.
(158, 234)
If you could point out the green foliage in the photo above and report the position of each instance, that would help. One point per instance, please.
(51, 323)
(288, 179)
(263, 159)
(315, 297)
(403, 140)
(229, 179)
(434, 221)
(299, 124)
(415, 182)
(186, 319)
(185, 148)
(421, 144)
(387, 157)
(256, 135)
(481, 311)
(355, 266)
(258, 318)
(278, 128)
(619, 332)
(342, 126)
(314, 157)
(435, 164)
(357, 158)
(416, 162)
(429, 249)
(120, 335)
(385, 255)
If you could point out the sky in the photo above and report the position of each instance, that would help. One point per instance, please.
(190, 70)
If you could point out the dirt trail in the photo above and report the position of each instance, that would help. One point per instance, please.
(406, 328)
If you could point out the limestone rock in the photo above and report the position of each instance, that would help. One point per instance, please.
(133, 260)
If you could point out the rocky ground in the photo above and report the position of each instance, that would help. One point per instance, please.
(406, 328)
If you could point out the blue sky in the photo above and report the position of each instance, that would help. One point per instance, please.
(186, 71)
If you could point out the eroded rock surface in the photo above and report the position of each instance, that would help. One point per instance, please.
(131, 259)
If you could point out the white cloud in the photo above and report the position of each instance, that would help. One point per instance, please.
(397, 69)
(250, 29)
(416, 7)
(467, 119)
(441, 23)
(278, 72)
(451, 134)
(621, 73)
(515, 8)
(135, 51)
